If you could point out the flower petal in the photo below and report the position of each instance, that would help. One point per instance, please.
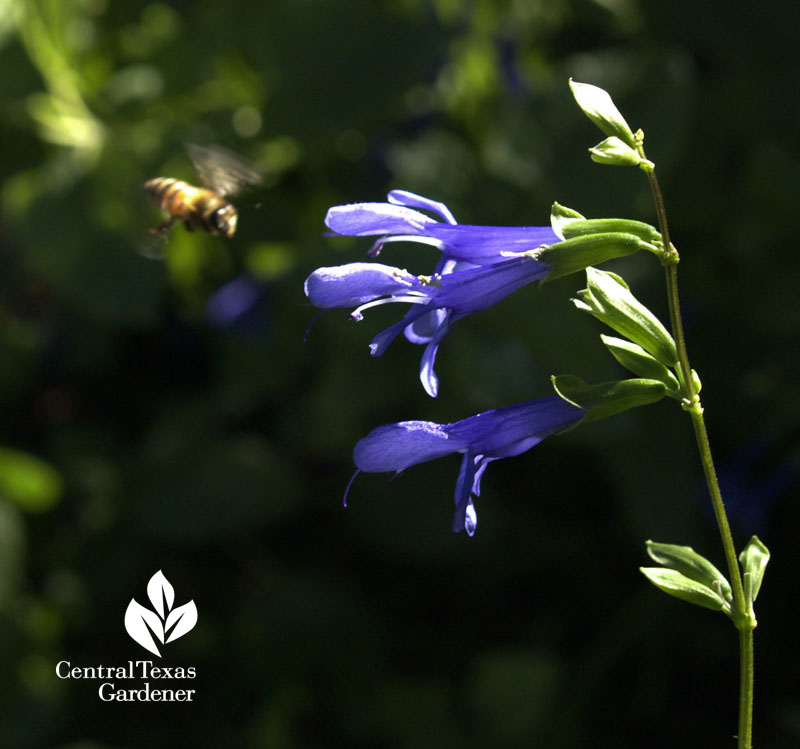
(465, 518)
(395, 447)
(482, 244)
(480, 287)
(505, 432)
(355, 283)
(426, 374)
(381, 341)
(404, 197)
(422, 330)
(362, 219)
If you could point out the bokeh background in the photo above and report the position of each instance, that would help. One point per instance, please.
(167, 413)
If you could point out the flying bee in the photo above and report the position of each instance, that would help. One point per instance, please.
(206, 208)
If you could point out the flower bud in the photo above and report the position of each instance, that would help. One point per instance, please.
(754, 560)
(608, 298)
(600, 109)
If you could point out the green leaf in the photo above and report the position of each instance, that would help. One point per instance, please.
(688, 562)
(27, 481)
(598, 106)
(680, 586)
(754, 560)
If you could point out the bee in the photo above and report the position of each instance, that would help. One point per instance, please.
(206, 208)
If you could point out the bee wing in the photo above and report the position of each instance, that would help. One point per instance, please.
(154, 246)
(222, 171)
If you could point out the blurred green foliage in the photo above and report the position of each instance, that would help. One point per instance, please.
(216, 447)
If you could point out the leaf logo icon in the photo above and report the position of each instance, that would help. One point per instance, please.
(164, 623)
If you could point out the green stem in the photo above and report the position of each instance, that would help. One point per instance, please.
(746, 688)
(742, 615)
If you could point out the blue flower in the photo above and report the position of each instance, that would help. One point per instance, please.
(397, 221)
(488, 436)
(456, 290)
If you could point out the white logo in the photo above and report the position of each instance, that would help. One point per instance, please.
(166, 623)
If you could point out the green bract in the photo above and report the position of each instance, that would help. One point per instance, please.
(561, 217)
(583, 227)
(578, 253)
(568, 224)
(608, 298)
(637, 360)
(607, 398)
(600, 109)
(615, 152)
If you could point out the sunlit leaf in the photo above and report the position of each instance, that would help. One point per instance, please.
(27, 481)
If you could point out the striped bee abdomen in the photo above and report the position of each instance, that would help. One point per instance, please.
(198, 208)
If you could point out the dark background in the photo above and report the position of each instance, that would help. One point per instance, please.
(141, 429)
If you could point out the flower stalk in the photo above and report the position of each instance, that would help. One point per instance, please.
(742, 615)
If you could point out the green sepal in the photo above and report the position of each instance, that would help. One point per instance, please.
(609, 299)
(615, 152)
(578, 253)
(675, 584)
(607, 398)
(577, 227)
(637, 360)
(598, 106)
(689, 563)
(754, 560)
(561, 217)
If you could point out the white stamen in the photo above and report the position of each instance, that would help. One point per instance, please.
(409, 298)
(376, 248)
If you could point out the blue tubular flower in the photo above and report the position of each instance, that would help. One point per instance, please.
(437, 301)
(488, 436)
(397, 221)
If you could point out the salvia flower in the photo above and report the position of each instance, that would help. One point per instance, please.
(397, 220)
(488, 436)
(437, 301)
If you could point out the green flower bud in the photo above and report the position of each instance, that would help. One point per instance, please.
(608, 298)
(638, 361)
(607, 398)
(600, 109)
(578, 253)
(614, 152)
(754, 560)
